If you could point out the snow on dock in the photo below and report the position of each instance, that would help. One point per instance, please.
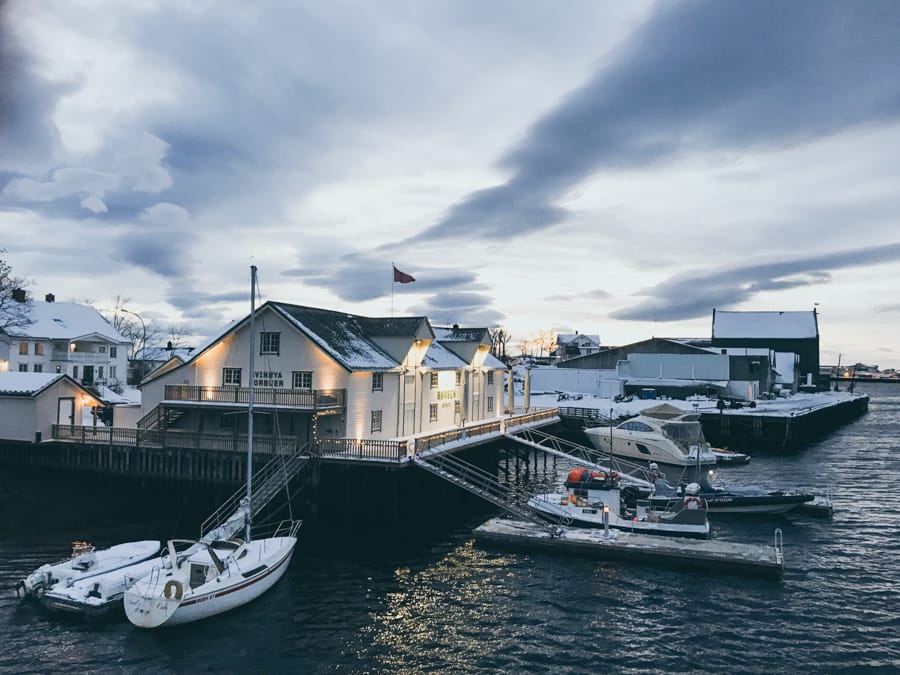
(711, 554)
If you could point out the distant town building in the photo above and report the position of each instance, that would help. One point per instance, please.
(572, 345)
(69, 339)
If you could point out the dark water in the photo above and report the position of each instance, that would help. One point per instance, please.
(426, 600)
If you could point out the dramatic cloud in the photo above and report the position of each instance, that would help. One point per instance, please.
(688, 296)
(465, 309)
(699, 74)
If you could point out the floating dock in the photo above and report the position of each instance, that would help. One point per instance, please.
(711, 554)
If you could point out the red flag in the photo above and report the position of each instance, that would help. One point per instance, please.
(403, 277)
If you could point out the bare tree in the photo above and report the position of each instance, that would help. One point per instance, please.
(499, 338)
(177, 335)
(15, 305)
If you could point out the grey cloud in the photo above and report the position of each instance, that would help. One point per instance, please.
(698, 75)
(688, 296)
(357, 277)
(466, 309)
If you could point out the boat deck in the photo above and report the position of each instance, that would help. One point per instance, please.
(710, 554)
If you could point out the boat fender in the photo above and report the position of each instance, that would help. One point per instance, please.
(692, 502)
(173, 589)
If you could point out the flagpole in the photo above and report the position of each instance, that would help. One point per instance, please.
(392, 290)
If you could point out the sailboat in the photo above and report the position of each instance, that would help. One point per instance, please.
(199, 579)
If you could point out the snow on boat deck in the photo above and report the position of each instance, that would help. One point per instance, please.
(722, 556)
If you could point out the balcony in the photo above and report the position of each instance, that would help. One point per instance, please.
(79, 357)
(314, 399)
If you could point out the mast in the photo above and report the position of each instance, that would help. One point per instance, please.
(250, 403)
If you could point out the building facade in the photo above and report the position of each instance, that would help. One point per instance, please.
(320, 375)
(68, 339)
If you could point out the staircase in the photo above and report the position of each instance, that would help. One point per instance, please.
(160, 418)
(485, 485)
(267, 482)
(569, 450)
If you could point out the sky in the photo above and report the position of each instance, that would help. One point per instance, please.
(611, 168)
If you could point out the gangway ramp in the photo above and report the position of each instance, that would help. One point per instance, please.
(484, 484)
(267, 482)
(554, 445)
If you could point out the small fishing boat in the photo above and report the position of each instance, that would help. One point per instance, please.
(729, 457)
(597, 499)
(86, 562)
(733, 499)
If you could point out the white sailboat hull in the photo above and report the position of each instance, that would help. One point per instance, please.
(154, 601)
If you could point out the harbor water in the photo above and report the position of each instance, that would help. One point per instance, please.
(425, 599)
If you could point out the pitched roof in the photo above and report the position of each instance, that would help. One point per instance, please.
(784, 325)
(66, 321)
(345, 337)
(438, 357)
(457, 334)
(28, 384)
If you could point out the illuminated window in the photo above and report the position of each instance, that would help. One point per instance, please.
(39, 348)
(377, 381)
(269, 343)
(434, 380)
(23, 347)
(490, 404)
(301, 379)
(432, 412)
(376, 420)
(458, 378)
(231, 376)
(490, 378)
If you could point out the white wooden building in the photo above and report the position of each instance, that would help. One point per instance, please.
(68, 339)
(31, 403)
(320, 374)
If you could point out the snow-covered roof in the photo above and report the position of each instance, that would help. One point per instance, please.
(344, 336)
(672, 382)
(565, 338)
(66, 321)
(457, 334)
(492, 362)
(163, 353)
(786, 325)
(438, 357)
(27, 384)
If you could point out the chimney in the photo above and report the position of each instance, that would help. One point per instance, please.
(49, 297)
(456, 326)
(18, 295)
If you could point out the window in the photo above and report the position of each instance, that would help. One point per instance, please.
(102, 349)
(490, 404)
(39, 367)
(377, 381)
(112, 372)
(23, 347)
(458, 378)
(432, 412)
(457, 407)
(231, 376)
(99, 372)
(434, 380)
(39, 348)
(490, 378)
(112, 354)
(269, 343)
(74, 372)
(301, 379)
(376, 421)
(23, 367)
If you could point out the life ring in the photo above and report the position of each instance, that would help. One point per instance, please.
(692, 503)
(173, 589)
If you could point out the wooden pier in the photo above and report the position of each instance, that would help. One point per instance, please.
(711, 554)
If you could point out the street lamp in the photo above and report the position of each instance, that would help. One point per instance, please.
(143, 341)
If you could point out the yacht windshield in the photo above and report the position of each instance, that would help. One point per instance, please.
(684, 434)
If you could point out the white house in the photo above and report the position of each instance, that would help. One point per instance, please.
(571, 345)
(69, 339)
(320, 374)
(31, 403)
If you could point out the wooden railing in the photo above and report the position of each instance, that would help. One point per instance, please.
(154, 438)
(424, 443)
(313, 399)
(351, 448)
